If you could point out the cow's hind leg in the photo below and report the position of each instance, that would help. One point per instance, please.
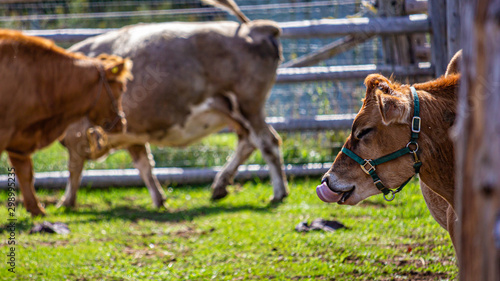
(24, 171)
(143, 161)
(75, 167)
(267, 140)
(225, 177)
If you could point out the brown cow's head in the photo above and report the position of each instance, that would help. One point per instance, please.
(382, 126)
(114, 74)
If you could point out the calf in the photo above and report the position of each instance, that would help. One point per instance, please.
(400, 130)
(190, 80)
(45, 89)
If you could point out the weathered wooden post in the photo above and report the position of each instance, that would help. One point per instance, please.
(396, 48)
(477, 140)
(453, 26)
(418, 41)
(439, 45)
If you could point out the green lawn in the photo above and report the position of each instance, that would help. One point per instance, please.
(117, 235)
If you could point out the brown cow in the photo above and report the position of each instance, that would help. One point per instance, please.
(385, 124)
(43, 90)
(190, 80)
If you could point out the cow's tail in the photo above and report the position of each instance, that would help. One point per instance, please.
(230, 6)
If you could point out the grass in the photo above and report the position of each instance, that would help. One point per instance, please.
(117, 235)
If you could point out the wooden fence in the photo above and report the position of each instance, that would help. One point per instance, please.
(477, 140)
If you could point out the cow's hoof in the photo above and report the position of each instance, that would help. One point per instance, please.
(277, 200)
(64, 203)
(160, 204)
(37, 211)
(218, 194)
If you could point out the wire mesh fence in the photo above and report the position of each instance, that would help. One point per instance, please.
(296, 100)
(73, 14)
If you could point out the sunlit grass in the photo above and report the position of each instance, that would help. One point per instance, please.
(117, 235)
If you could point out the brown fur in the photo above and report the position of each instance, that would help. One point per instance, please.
(37, 45)
(44, 89)
(388, 109)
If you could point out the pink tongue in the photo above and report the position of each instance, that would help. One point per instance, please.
(326, 194)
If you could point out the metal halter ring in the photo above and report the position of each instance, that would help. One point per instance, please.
(416, 144)
(392, 198)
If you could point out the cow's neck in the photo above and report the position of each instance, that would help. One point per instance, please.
(81, 95)
(438, 107)
(71, 97)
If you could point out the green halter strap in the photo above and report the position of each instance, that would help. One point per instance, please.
(368, 165)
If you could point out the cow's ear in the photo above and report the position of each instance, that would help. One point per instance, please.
(377, 82)
(393, 106)
(393, 109)
(119, 70)
(455, 64)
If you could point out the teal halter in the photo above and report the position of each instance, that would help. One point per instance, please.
(368, 165)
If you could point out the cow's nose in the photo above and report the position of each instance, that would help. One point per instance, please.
(325, 179)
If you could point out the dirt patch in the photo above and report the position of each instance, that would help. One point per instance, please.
(148, 252)
(314, 277)
(140, 256)
(54, 244)
(190, 231)
(412, 275)
(45, 200)
(419, 276)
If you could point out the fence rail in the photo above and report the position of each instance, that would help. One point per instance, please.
(356, 26)
(162, 12)
(294, 29)
(130, 177)
(317, 123)
(346, 72)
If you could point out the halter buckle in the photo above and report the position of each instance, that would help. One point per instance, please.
(416, 123)
(370, 166)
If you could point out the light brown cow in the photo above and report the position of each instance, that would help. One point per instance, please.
(190, 80)
(384, 125)
(43, 90)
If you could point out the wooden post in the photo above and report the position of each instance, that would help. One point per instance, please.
(420, 47)
(437, 12)
(477, 144)
(396, 48)
(415, 6)
(453, 26)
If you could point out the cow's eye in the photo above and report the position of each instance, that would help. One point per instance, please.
(363, 133)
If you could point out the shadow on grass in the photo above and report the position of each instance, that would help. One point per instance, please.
(21, 225)
(135, 213)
